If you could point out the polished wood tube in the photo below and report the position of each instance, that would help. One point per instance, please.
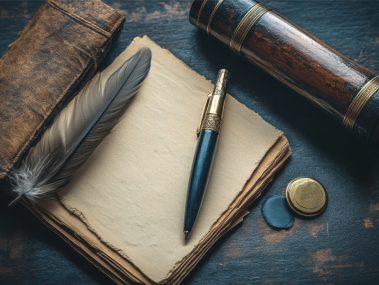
(345, 90)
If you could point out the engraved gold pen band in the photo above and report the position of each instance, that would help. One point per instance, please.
(214, 106)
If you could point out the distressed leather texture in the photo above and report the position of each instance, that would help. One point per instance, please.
(57, 52)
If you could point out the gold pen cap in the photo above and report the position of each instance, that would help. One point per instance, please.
(214, 106)
(217, 100)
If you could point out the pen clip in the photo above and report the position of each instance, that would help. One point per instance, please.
(203, 114)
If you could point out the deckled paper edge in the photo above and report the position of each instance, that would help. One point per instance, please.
(242, 201)
(176, 280)
(81, 216)
(78, 214)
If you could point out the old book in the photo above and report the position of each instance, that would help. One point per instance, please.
(124, 210)
(56, 53)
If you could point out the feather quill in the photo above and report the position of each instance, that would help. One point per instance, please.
(78, 130)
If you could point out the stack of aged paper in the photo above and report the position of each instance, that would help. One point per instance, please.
(124, 210)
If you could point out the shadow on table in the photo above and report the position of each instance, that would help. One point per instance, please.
(31, 251)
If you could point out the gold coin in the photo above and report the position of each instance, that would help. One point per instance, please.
(306, 196)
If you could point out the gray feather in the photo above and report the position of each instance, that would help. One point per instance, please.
(79, 129)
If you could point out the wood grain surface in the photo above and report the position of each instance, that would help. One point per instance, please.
(339, 247)
(294, 57)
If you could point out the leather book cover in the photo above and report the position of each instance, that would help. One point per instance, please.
(56, 53)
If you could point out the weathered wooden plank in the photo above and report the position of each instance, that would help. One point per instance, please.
(339, 247)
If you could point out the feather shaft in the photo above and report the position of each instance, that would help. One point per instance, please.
(79, 129)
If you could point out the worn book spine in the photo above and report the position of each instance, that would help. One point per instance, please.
(345, 90)
(57, 52)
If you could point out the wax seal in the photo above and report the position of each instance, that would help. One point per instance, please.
(306, 196)
(277, 213)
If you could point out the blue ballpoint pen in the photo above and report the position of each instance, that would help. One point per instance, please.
(208, 134)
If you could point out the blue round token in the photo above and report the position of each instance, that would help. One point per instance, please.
(277, 213)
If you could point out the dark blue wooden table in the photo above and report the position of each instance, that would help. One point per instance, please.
(339, 247)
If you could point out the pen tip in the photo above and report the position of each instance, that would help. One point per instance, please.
(186, 235)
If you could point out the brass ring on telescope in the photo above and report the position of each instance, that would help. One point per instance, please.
(201, 10)
(359, 102)
(251, 17)
(212, 15)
